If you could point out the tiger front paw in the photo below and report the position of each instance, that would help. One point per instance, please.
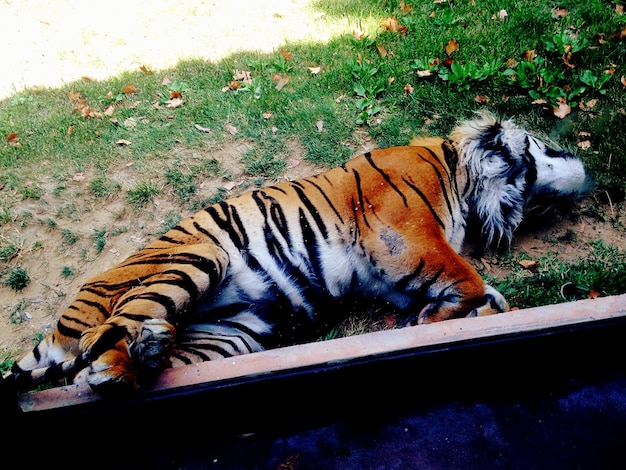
(493, 302)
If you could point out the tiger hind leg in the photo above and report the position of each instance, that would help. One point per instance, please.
(120, 367)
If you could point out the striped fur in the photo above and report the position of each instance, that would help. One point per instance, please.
(272, 267)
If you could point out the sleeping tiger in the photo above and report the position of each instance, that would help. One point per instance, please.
(272, 266)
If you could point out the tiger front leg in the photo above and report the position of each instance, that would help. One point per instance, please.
(466, 300)
(453, 289)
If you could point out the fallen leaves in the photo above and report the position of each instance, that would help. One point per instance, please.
(81, 107)
(562, 109)
(393, 25)
(452, 46)
(13, 140)
(528, 264)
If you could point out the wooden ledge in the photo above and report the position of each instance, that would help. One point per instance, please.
(370, 346)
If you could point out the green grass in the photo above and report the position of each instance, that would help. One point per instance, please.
(601, 273)
(325, 97)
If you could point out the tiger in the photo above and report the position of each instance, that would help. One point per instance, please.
(273, 266)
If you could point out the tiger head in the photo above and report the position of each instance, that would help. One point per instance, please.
(504, 172)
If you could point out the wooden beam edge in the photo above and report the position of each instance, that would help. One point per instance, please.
(350, 348)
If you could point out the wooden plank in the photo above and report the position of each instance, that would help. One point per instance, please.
(344, 350)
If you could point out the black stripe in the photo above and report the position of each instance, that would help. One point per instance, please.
(440, 177)
(404, 281)
(426, 201)
(325, 196)
(228, 222)
(243, 328)
(368, 157)
(205, 232)
(171, 240)
(163, 300)
(184, 282)
(319, 221)
(361, 203)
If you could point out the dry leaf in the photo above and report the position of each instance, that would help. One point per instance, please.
(559, 12)
(267, 115)
(319, 125)
(528, 264)
(584, 145)
(529, 55)
(14, 140)
(78, 177)
(591, 103)
(287, 55)
(408, 89)
(175, 94)
(123, 142)
(130, 122)
(202, 129)
(502, 15)
(282, 82)
(619, 9)
(452, 46)
(175, 103)
(623, 80)
(70, 131)
(390, 320)
(166, 80)
(315, 70)
(406, 8)
(231, 129)
(109, 111)
(481, 99)
(358, 34)
(146, 70)
(593, 294)
(229, 186)
(129, 89)
(391, 24)
(292, 162)
(243, 76)
(128, 164)
(381, 50)
(562, 110)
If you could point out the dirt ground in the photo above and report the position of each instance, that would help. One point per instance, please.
(24, 315)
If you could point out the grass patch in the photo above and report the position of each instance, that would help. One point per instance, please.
(553, 280)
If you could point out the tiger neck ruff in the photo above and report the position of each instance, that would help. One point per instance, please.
(270, 267)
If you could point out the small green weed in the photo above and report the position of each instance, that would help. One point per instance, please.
(68, 271)
(68, 238)
(17, 279)
(142, 194)
(99, 238)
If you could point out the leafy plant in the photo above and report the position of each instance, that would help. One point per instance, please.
(17, 279)
(463, 74)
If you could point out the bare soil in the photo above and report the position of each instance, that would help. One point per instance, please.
(24, 315)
